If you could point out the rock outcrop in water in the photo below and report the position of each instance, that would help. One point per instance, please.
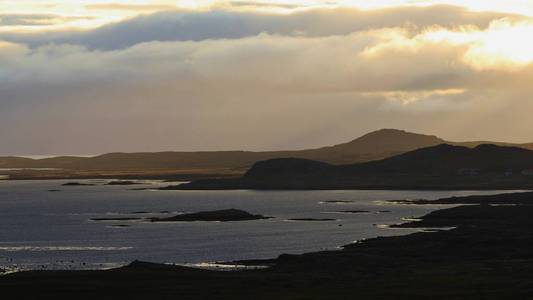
(116, 219)
(312, 220)
(77, 184)
(122, 182)
(225, 215)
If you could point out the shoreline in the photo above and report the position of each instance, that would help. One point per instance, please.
(156, 174)
(361, 188)
(188, 183)
(487, 256)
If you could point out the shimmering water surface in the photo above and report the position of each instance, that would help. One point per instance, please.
(41, 229)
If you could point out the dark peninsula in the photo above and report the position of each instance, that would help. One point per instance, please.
(438, 167)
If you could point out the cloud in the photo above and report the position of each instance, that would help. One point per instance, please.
(184, 25)
(36, 19)
(257, 4)
(231, 89)
(366, 61)
(502, 45)
(132, 7)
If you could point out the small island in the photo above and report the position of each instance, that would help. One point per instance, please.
(77, 184)
(122, 182)
(116, 219)
(225, 215)
(312, 220)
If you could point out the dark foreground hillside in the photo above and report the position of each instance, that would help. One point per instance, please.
(489, 255)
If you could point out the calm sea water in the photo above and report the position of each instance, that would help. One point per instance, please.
(40, 229)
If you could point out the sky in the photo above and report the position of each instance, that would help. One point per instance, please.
(89, 77)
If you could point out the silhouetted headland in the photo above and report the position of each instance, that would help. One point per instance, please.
(438, 167)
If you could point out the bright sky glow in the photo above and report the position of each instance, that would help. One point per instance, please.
(93, 13)
(422, 65)
(502, 45)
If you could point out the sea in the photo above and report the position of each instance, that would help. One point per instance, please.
(45, 225)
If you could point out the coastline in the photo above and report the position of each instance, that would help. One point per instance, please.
(187, 179)
(489, 246)
(163, 174)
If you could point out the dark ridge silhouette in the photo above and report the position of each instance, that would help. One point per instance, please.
(375, 145)
(446, 158)
(439, 167)
(186, 166)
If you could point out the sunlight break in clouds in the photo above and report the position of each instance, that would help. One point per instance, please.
(502, 46)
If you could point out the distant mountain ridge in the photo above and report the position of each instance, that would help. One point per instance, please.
(443, 166)
(372, 146)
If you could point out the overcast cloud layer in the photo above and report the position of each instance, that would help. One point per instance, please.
(223, 24)
(222, 79)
